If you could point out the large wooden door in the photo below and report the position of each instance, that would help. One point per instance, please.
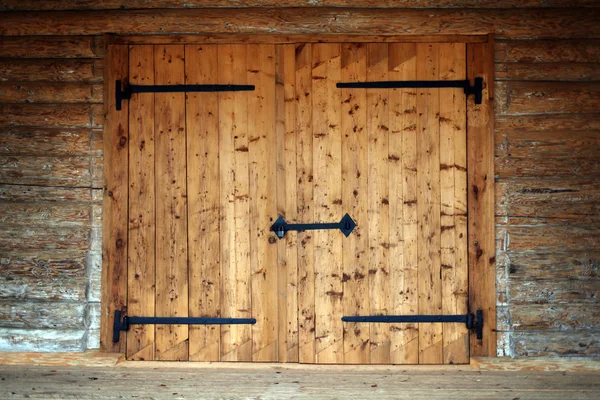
(395, 160)
(210, 172)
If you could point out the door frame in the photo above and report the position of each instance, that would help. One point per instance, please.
(480, 169)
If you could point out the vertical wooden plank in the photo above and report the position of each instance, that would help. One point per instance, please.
(236, 344)
(378, 204)
(263, 210)
(453, 198)
(114, 226)
(428, 207)
(285, 114)
(304, 166)
(354, 200)
(482, 254)
(327, 202)
(403, 204)
(202, 124)
(171, 204)
(140, 294)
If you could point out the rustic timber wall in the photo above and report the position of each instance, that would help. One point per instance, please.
(547, 99)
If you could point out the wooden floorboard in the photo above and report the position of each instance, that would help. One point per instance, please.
(271, 382)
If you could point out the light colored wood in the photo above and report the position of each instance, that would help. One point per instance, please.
(403, 204)
(505, 22)
(453, 196)
(91, 358)
(114, 227)
(533, 364)
(267, 381)
(354, 201)
(230, 38)
(378, 202)
(304, 166)
(327, 202)
(481, 238)
(202, 125)
(262, 170)
(236, 342)
(428, 206)
(140, 254)
(287, 254)
(171, 205)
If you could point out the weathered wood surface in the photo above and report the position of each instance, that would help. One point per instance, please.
(90, 358)
(58, 47)
(52, 70)
(30, 5)
(505, 23)
(46, 115)
(300, 383)
(50, 141)
(50, 92)
(49, 315)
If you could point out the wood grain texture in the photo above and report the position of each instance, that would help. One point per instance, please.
(29, 5)
(171, 341)
(326, 70)
(46, 115)
(481, 239)
(202, 124)
(428, 205)
(50, 92)
(263, 202)
(141, 270)
(355, 201)
(52, 47)
(53, 70)
(114, 226)
(551, 22)
(305, 193)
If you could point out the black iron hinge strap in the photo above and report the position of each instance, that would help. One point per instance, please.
(125, 90)
(476, 89)
(123, 321)
(346, 225)
(473, 322)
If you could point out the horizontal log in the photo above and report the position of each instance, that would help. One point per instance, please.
(567, 317)
(46, 340)
(585, 343)
(505, 23)
(554, 291)
(547, 97)
(52, 46)
(54, 70)
(564, 71)
(574, 199)
(43, 214)
(55, 171)
(576, 265)
(46, 115)
(36, 315)
(46, 238)
(50, 141)
(20, 192)
(550, 238)
(43, 275)
(30, 5)
(547, 153)
(50, 92)
(550, 122)
(548, 51)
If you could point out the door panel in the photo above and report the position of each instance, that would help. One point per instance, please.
(210, 173)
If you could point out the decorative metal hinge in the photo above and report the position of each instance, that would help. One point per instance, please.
(476, 89)
(346, 225)
(125, 90)
(474, 322)
(123, 321)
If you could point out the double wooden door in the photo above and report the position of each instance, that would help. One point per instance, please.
(209, 173)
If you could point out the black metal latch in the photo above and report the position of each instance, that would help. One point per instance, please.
(346, 225)
(122, 324)
(476, 89)
(125, 92)
(472, 321)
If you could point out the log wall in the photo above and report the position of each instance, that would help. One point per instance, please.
(547, 111)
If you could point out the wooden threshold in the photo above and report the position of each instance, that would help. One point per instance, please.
(94, 358)
(281, 39)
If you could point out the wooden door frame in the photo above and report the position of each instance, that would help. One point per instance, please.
(480, 169)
